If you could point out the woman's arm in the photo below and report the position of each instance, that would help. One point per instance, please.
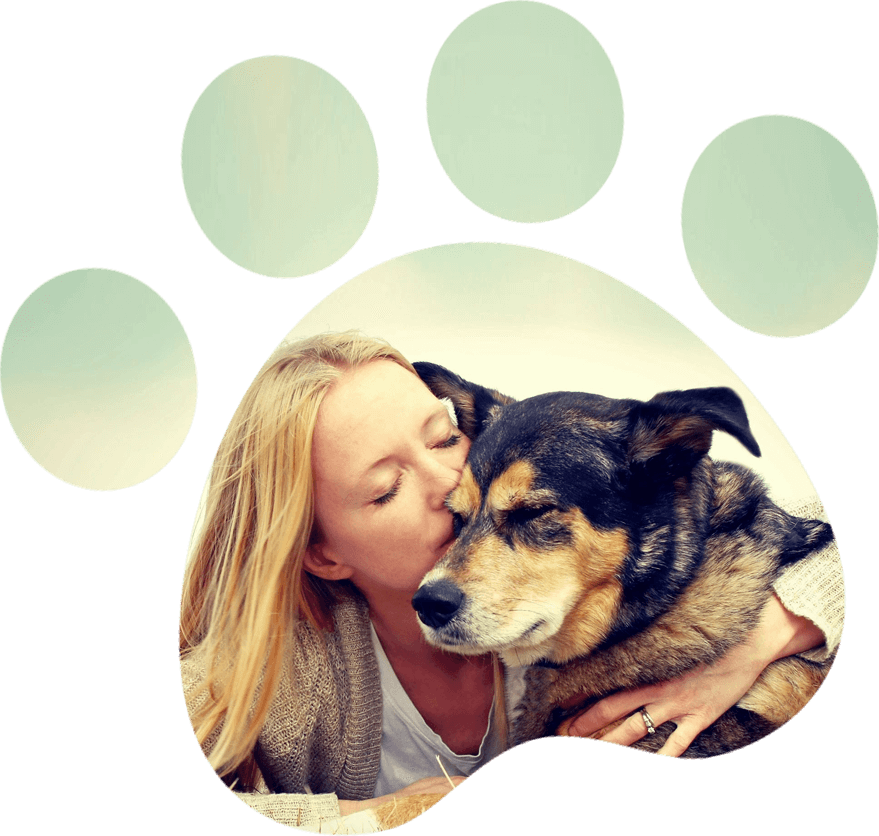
(696, 699)
(803, 617)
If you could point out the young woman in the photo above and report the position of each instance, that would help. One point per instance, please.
(303, 663)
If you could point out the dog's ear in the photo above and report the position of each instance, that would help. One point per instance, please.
(673, 430)
(475, 406)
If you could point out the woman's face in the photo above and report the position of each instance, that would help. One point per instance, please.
(385, 456)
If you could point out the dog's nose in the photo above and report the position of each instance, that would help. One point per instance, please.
(436, 603)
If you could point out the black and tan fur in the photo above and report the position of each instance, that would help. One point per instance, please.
(601, 545)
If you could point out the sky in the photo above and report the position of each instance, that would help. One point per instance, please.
(526, 321)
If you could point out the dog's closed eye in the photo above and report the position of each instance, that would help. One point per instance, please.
(526, 514)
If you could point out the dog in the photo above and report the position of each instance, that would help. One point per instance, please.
(599, 544)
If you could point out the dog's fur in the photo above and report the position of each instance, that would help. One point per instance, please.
(600, 544)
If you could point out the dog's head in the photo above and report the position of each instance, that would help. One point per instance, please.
(548, 507)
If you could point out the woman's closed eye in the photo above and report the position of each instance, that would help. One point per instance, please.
(451, 441)
(386, 497)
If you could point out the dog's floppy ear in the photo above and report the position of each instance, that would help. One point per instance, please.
(475, 406)
(672, 431)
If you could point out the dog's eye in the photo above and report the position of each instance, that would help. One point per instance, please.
(520, 516)
(458, 522)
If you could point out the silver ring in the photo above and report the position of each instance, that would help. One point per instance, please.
(648, 721)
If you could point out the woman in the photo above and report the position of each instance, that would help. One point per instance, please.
(302, 656)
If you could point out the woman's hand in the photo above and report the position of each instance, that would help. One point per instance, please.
(697, 698)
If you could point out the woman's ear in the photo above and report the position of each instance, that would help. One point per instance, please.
(320, 562)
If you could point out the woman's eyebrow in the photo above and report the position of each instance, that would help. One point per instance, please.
(436, 414)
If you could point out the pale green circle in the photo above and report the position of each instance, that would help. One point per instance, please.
(525, 111)
(98, 379)
(279, 166)
(779, 226)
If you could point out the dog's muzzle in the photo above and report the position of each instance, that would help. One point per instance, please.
(437, 602)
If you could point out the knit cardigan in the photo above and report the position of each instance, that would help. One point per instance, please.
(322, 738)
(323, 731)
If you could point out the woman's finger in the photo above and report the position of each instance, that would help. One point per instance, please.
(631, 730)
(680, 739)
(634, 728)
(608, 711)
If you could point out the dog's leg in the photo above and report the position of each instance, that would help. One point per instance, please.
(784, 688)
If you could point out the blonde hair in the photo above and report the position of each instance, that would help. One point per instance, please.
(245, 588)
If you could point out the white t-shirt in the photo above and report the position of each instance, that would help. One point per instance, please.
(409, 746)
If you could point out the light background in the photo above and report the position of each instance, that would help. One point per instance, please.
(536, 322)
(778, 220)
(525, 115)
(525, 320)
(279, 166)
(98, 379)
(779, 226)
(524, 111)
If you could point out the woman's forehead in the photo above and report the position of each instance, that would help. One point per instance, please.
(366, 407)
(377, 385)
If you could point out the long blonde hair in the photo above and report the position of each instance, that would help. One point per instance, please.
(245, 588)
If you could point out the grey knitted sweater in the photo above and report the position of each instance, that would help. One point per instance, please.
(323, 731)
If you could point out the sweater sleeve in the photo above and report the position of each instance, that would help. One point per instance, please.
(813, 587)
(294, 809)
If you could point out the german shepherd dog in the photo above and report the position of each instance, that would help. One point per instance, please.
(598, 543)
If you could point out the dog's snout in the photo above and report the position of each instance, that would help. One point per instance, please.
(436, 603)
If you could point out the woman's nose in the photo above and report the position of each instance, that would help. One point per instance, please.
(440, 480)
(441, 486)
